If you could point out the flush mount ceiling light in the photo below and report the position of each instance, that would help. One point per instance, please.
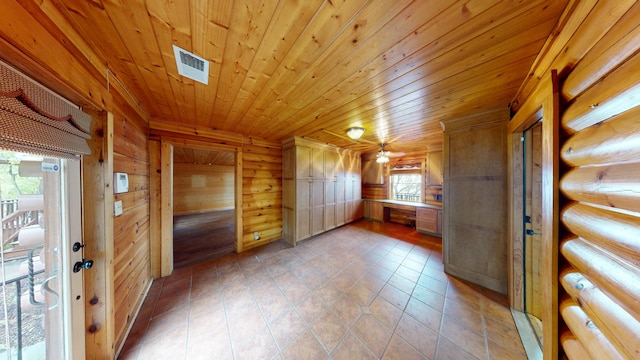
(355, 132)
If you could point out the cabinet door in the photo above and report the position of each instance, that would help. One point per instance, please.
(303, 209)
(330, 204)
(434, 161)
(317, 198)
(427, 220)
(317, 165)
(289, 163)
(377, 211)
(303, 162)
(348, 190)
(330, 164)
(341, 207)
(372, 173)
(340, 190)
(288, 226)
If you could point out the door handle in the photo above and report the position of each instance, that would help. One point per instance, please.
(77, 246)
(47, 288)
(531, 232)
(82, 265)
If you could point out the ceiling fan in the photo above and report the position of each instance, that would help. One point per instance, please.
(383, 156)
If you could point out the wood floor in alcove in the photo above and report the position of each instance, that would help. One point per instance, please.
(202, 236)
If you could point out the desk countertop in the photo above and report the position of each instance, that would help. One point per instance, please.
(428, 204)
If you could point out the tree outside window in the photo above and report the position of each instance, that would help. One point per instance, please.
(405, 187)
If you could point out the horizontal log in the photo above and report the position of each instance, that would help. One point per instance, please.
(615, 276)
(266, 236)
(268, 150)
(251, 189)
(256, 157)
(249, 222)
(616, 323)
(594, 341)
(616, 232)
(614, 185)
(249, 174)
(572, 347)
(614, 48)
(248, 182)
(616, 140)
(615, 94)
(260, 212)
(252, 165)
(125, 164)
(261, 226)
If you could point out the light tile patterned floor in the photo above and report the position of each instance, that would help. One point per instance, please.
(363, 291)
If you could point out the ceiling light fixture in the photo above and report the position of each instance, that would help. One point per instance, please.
(355, 132)
(382, 157)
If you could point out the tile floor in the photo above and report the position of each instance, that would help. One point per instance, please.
(363, 291)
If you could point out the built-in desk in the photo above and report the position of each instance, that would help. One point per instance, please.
(428, 216)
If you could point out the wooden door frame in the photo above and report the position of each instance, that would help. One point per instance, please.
(161, 192)
(543, 103)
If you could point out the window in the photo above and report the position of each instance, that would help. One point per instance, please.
(405, 186)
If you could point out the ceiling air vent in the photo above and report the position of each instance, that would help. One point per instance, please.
(191, 65)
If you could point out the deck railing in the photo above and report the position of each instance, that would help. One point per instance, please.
(407, 197)
(14, 287)
(14, 219)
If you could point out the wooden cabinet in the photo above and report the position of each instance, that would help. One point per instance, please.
(321, 188)
(372, 173)
(474, 243)
(429, 220)
(373, 210)
(434, 168)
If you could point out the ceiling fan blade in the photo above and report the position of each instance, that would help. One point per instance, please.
(395, 154)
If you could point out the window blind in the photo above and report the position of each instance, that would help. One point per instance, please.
(35, 120)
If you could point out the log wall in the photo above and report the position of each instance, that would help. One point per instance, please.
(601, 186)
(595, 51)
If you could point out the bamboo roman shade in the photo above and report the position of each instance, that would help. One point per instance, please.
(34, 120)
(601, 216)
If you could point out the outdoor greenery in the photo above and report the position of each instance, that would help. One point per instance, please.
(406, 186)
(12, 184)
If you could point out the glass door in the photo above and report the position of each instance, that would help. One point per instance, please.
(42, 311)
(532, 254)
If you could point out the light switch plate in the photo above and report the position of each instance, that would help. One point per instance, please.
(117, 207)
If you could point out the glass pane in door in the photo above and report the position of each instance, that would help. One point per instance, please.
(37, 196)
(533, 303)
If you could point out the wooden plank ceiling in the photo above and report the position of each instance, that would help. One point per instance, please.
(199, 156)
(314, 68)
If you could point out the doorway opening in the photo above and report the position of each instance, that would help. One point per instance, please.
(204, 214)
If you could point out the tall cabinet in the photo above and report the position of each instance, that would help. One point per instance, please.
(321, 188)
(474, 243)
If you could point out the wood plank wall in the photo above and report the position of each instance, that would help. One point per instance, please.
(261, 192)
(132, 272)
(37, 40)
(261, 177)
(200, 187)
